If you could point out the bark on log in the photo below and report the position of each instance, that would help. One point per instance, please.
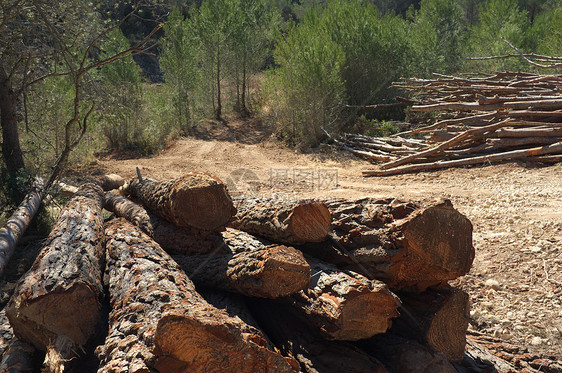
(405, 244)
(283, 221)
(56, 304)
(175, 240)
(345, 305)
(196, 200)
(246, 265)
(158, 320)
(18, 223)
(314, 354)
(438, 318)
(110, 181)
(402, 355)
(504, 156)
(15, 356)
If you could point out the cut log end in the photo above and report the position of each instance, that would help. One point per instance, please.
(185, 344)
(447, 332)
(202, 202)
(440, 238)
(60, 313)
(283, 271)
(310, 222)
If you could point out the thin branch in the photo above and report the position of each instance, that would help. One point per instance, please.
(551, 66)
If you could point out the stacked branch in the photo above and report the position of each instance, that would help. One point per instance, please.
(482, 118)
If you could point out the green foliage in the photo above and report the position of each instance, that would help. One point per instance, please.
(306, 89)
(500, 18)
(437, 37)
(547, 32)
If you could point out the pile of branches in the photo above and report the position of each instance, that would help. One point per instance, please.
(195, 281)
(484, 118)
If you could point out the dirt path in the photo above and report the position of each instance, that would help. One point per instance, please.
(516, 210)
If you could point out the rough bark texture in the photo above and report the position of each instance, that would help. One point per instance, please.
(11, 150)
(345, 305)
(438, 318)
(401, 355)
(405, 244)
(158, 320)
(290, 222)
(314, 354)
(56, 304)
(18, 223)
(15, 355)
(246, 265)
(195, 200)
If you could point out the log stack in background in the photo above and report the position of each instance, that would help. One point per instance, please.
(484, 118)
(340, 275)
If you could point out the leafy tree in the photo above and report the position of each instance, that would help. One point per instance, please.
(547, 32)
(306, 89)
(438, 37)
(178, 58)
(500, 18)
(255, 27)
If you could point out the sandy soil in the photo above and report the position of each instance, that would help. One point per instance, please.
(516, 209)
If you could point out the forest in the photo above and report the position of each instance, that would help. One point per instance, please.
(80, 77)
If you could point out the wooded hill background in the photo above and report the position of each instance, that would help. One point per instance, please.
(299, 66)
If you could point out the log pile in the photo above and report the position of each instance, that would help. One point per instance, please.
(483, 118)
(311, 286)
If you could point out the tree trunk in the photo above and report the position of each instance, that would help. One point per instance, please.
(314, 353)
(218, 113)
(405, 244)
(438, 318)
(196, 200)
(345, 305)
(15, 356)
(18, 223)
(11, 150)
(247, 266)
(56, 304)
(158, 320)
(402, 355)
(290, 222)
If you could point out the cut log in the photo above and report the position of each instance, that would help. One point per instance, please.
(405, 244)
(158, 320)
(15, 356)
(314, 354)
(402, 355)
(290, 222)
(438, 318)
(345, 305)
(56, 304)
(18, 223)
(175, 240)
(110, 181)
(196, 200)
(246, 265)
(504, 156)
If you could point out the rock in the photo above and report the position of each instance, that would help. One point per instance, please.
(536, 341)
(491, 283)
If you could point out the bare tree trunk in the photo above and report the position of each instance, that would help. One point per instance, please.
(56, 304)
(218, 112)
(11, 150)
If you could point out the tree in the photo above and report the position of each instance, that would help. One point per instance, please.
(500, 18)
(306, 89)
(178, 59)
(437, 37)
(251, 42)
